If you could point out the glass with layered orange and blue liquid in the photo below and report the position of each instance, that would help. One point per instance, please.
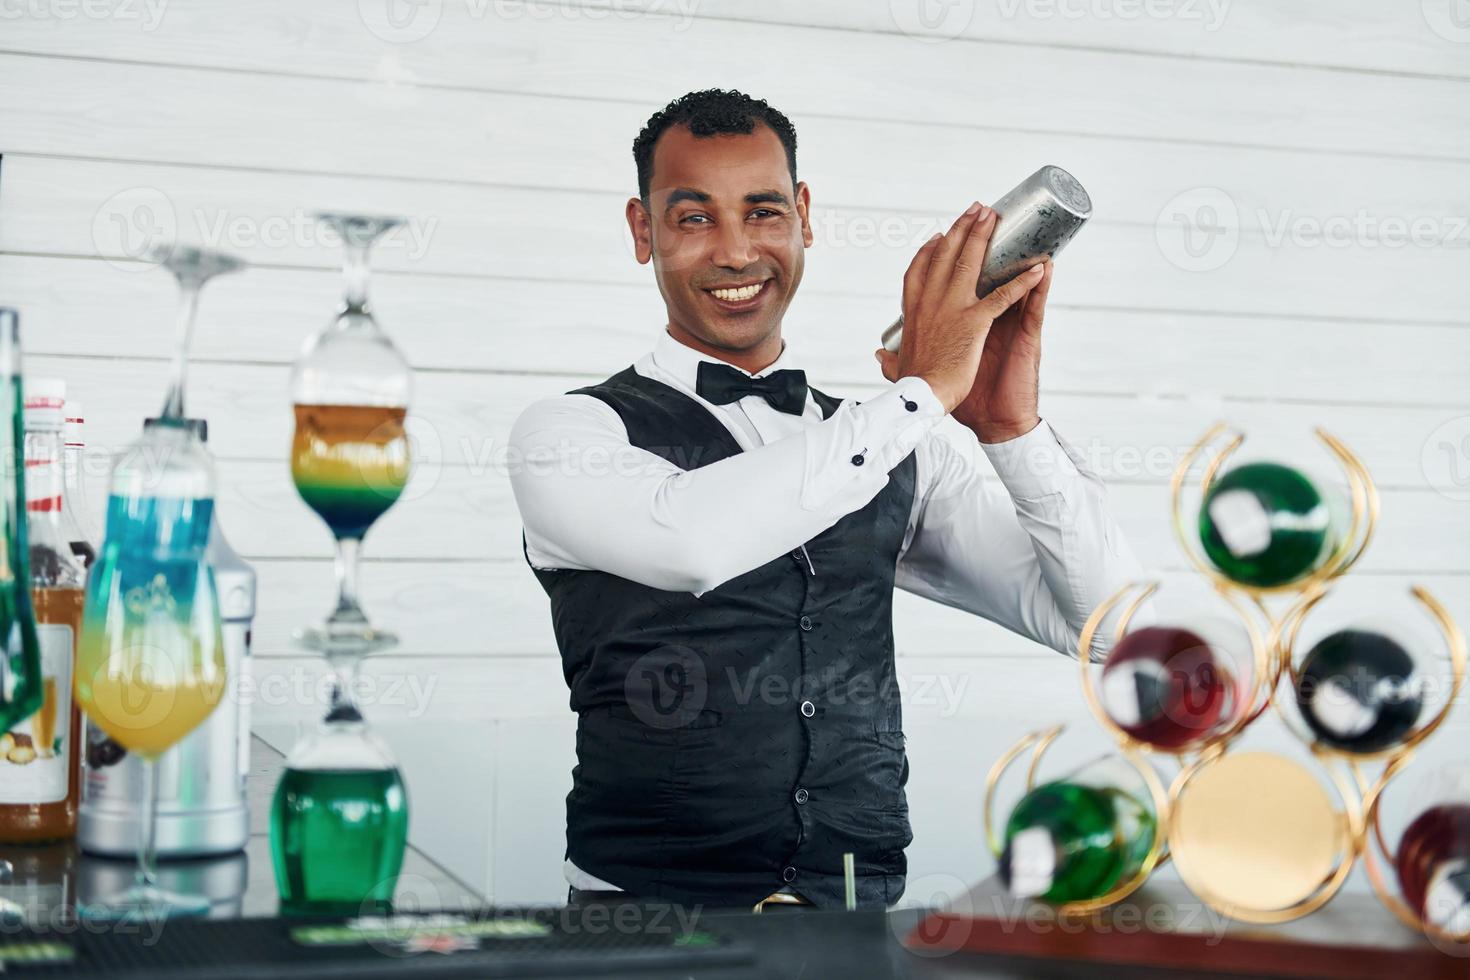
(350, 453)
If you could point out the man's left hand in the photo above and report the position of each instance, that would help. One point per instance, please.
(1002, 404)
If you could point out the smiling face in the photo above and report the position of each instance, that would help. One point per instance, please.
(725, 231)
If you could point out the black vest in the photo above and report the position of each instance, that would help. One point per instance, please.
(731, 743)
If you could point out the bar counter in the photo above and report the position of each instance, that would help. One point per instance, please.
(442, 928)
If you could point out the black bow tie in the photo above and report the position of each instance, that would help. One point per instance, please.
(722, 384)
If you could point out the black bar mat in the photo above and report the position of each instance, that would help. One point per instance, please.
(492, 943)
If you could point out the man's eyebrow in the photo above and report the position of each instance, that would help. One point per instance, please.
(767, 197)
(685, 194)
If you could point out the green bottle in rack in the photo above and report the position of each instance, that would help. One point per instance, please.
(1070, 842)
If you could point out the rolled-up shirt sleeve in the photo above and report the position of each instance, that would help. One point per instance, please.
(1036, 549)
(590, 500)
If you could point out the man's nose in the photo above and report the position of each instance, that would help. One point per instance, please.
(734, 248)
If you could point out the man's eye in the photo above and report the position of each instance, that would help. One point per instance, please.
(765, 213)
(702, 219)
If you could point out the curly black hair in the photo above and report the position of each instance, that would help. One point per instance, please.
(711, 112)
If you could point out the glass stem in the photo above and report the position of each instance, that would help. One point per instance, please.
(347, 607)
(343, 707)
(148, 828)
(173, 408)
(344, 686)
(355, 276)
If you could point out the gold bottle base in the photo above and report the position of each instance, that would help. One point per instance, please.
(1258, 836)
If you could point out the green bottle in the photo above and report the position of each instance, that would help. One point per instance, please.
(1264, 524)
(21, 691)
(339, 824)
(1070, 842)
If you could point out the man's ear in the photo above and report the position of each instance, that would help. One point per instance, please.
(641, 228)
(804, 209)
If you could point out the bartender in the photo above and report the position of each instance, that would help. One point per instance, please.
(720, 540)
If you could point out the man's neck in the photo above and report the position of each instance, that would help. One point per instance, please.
(752, 361)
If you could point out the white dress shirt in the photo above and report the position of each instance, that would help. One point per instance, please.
(1036, 552)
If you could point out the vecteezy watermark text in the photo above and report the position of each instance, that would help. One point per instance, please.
(147, 13)
(1210, 14)
(1199, 230)
(131, 226)
(408, 21)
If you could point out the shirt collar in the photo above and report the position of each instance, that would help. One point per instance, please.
(682, 362)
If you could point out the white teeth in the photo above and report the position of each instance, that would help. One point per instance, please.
(738, 295)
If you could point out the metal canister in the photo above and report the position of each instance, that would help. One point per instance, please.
(1035, 219)
(201, 781)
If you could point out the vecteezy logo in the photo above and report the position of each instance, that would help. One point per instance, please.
(155, 599)
(1450, 19)
(400, 21)
(666, 688)
(932, 20)
(1445, 458)
(412, 460)
(937, 935)
(1198, 230)
(131, 224)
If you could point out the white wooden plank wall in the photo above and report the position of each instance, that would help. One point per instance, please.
(1327, 142)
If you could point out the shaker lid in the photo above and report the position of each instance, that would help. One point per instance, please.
(44, 398)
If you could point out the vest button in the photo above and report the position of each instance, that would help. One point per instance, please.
(808, 709)
(806, 623)
(788, 874)
(798, 555)
(802, 796)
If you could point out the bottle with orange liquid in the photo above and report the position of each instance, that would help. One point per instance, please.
(41, 781)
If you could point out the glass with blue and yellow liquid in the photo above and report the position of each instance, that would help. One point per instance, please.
(151, 660)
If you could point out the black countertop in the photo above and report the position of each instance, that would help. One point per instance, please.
(242, 939)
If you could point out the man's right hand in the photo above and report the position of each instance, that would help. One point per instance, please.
(945, 326)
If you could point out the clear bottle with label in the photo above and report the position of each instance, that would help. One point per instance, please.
(76, 521)
(80, 532)
(41, 781)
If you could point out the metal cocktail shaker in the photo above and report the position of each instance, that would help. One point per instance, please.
(1037, 218)
(201, 781)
